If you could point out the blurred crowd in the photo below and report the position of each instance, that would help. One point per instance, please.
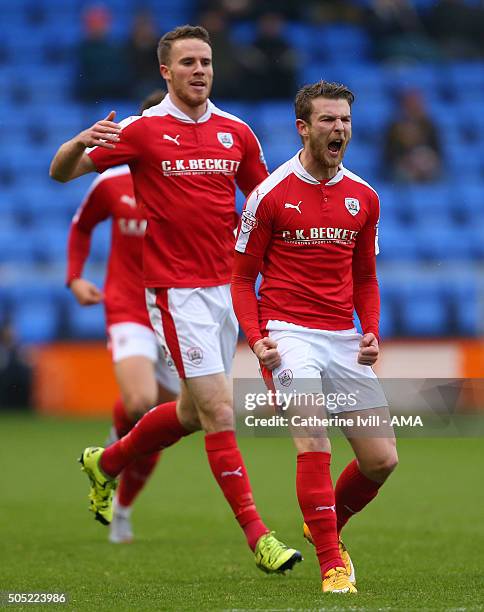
(264, 65)
(267, 66)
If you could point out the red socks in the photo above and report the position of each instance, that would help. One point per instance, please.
(316, 500)
(229, 470)
(353, 492)
(135, 475)
(157, 429)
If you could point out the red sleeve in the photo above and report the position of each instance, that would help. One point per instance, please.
(244, 299)
(93, 210)
(253, 168)
(366, 295)
(254, 236)
(127, 149)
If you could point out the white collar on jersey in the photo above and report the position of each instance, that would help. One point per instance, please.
(166, 107)
(300, 171)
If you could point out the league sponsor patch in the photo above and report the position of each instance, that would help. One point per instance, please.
(195, 355)
(285, 377)
(226, 139)
(248, 222)
(352, 205)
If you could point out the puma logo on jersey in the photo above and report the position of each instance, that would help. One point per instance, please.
(237, 472)
(320, 508)
(296, 206)
(175, 140)
(129, 200)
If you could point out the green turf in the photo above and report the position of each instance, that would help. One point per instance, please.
(419, 546)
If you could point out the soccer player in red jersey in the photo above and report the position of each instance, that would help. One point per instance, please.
(143, 376)
(311, 229)
(185, 156)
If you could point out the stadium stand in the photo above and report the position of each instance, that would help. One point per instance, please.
(431, 235)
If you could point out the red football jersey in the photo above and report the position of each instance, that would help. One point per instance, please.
(184, 175)
(310, 235)
(112, 196)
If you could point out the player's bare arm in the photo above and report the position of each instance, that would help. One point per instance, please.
(71, 160)
(85, 292)
(369, 350)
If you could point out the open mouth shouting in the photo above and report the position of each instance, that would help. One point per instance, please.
(334, 147)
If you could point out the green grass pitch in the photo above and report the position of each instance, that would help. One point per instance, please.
(419, 546)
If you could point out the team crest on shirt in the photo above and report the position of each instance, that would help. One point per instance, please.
(248, 222)
(226, 139)
(195, 355)
(285, 377)
(352, 205)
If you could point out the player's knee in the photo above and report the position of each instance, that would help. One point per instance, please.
(380, 467)
(138, 403)
(218, 416)
(312, 445)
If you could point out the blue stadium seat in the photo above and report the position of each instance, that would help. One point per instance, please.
(423, 77)
(243, 32)
(443, 242)
(277, 153)
(470, 203)
(467, 299)
(466, 79)
(51, 242)
(465, 158)
(428, 199)
(100, 243)
(278, 134)
(366, 81)
(86, 322)
(424, 309)
(387, 317)
(390, 200)
(300, 39)
(242, 110)
(370, 120)
(361, 160)
(342, 39)
(475, 236)
(398, 242)
(16, 246)
(36, 321)
(34, 310)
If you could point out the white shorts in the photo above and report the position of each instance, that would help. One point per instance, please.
(134, 340)
(317, 361)
(196, 328)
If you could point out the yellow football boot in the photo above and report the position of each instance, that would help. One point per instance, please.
(345, 556)
(336, 580)
(102, 488)
(272, 556)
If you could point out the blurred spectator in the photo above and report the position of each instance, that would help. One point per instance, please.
(229, 81)
(457, 27)
(248, 10)
(328, 11)
(102, 62)
(270, 61)
(398, 32)
(141, 56)
(15, 372)
(412, 151)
